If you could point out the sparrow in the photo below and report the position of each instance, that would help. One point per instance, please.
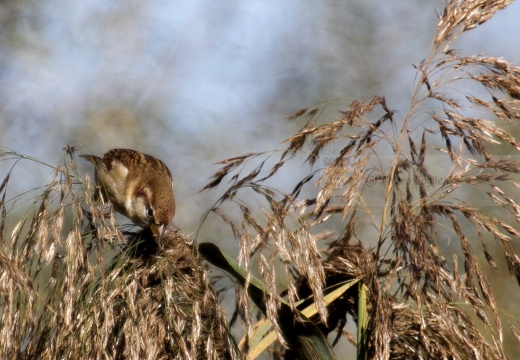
(138, 186)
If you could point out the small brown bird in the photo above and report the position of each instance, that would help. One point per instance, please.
(139, 186)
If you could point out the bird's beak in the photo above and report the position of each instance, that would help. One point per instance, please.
(158, 230)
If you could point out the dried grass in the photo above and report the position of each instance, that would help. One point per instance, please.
(425, 258)
(64, 295)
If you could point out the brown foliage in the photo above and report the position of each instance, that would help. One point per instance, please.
(421, 228)
(68, 291)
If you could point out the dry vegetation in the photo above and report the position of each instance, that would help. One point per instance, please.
(423, 261)
(74, 286)
(66, 296)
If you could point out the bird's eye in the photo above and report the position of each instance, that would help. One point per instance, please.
(149, 211)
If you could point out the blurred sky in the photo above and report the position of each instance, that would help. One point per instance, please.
(194, 82)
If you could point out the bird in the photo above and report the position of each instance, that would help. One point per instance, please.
(138, 185)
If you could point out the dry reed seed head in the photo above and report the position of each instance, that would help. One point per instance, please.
(414, 260)
(427, 271)
(462, 15)
(185, 305)
(272, 302)
(424, 276)
(82, 308)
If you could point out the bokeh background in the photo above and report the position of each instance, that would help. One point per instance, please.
(194, 82)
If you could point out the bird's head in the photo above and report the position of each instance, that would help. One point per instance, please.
(153, 206)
